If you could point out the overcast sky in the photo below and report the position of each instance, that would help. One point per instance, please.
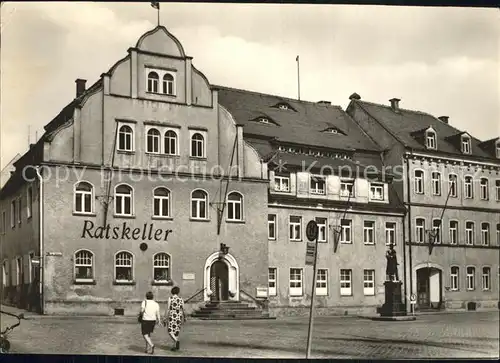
(444, 61)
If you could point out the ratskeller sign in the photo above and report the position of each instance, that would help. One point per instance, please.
(124, 232)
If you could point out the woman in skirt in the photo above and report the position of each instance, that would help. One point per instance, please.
(150, 311)
(175, 316)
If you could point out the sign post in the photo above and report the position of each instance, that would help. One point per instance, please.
(312, 232)
(413, 301)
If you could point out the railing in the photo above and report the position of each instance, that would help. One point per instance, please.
(194, 295)
(261, 304)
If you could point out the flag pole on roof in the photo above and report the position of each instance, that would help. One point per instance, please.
(298, 76)
(156, 5)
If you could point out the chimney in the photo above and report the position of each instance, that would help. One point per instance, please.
(395, 104)
(324, 103)
(354, 96)
(80, 86)
(444, 119)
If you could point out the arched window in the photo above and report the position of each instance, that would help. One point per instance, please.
(153, 80)
(125, 137)
(469, 233)
(197, 145)
(199, 200)
(235, 206)
(83, 202)
(123, 200)
(84, 266)
(161, 202)
(161, 267)
(168, 84)
(153, 141)
(170, 143)
(124, 267)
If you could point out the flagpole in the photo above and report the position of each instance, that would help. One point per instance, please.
(158, 14)
(298, 77)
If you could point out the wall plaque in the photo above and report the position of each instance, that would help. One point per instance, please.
(261, 292)
(188, 276)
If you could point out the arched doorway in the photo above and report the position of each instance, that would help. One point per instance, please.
(429, 287)
(221, 278)
(219, 281)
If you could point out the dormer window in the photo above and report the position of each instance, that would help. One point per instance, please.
(466, 147)
(265, 120)
(167, 79)
(283, 106)
(498, 150)
(430, 140)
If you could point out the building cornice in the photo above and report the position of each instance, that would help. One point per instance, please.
(448, 158)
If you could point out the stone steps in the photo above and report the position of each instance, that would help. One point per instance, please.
(229, 310)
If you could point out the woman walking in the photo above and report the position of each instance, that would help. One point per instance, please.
(175, 316)
(149, 316)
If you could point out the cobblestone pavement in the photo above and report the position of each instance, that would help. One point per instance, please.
(461, 335)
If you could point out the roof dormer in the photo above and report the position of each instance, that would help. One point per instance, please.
(265, 120)
(492, 147)
(430, 139)
(465, 143)
(284, 106)
(333, 131)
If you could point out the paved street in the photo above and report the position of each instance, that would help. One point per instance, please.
(459, 335)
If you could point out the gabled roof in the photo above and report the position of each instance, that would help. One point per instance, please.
(303, 125)
(404, 124)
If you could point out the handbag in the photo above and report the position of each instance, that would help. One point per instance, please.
(139, 317)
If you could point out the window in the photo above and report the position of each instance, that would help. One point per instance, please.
(13, 214)
(84, 198)
(161, 267)
(369, 282)
(431, 140)
(29, 205)
(153, 80)
(468, 187)
(436, 183)
(471, 278)
(170, 142)
(376, 191)
(452, 185)
(5, 273)
(419, 181)
(436, 229)
(271, 223)
(347, 188)
(497, 190)
(19, 211)
(317, 185)
(483, 189)
(32, 273)
(321, 229)
(199, 204)
(420, 230)
(485, 234)
(124, 267)
(346, 231)
(295, 228)
(498, 232)
(322, 282)
(486, 278)
(272, 281)
(497, 147)
(390, 233)
(168, 84)
(123, 200)
(369, 232)
(295, 282)
(345, 282)
(466, 149)
(125, 138)
(282, 183)
(4, 222)
(453, 232)
(469, 233)
(19, 270)
(84, 266)
(454, 278)
(197, 145)
(153, 141)
(235, 207)
(161, 202)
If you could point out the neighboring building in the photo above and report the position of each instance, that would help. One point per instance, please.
(7, 170)
(453, 261)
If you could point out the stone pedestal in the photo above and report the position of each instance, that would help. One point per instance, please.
(394, 305)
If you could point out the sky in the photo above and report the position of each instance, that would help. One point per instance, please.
(444, 61)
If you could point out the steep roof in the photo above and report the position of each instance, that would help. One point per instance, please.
(405, 124)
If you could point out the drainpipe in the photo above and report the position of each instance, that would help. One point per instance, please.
(408, 192)
(42, 259)
(404, 259)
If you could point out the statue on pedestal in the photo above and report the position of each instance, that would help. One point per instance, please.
(392, 264)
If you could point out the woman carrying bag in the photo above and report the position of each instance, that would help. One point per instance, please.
(148, 317)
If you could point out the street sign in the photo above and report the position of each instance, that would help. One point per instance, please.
(310, 253)
(312, 231)
(35, 262)
(413, 299)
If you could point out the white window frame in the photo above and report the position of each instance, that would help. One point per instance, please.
(203, 141)
(292, 229)
(345, 283)
(390, 233)
(29, 202)
(161, 263)
(83, 194)
(317, 185)
(430, 140)
(468, 187)
(84, 263)
(420, 230)
(377, 191)
(196, 213)
(159, 199)
(453, 231)
(418, 181)
(272, 222)
(235, 206)
(346, 231)
(322, 229)
(366, 232)
(367, 281)
(13, 208)
(296, 290)
(282, 183)
(176, 141)
(344, 188)
(6, 273)
(19, 210)
(120, 198)
(160, 81)
(120, 263)
(155, 81)
(272, 290)
(155, 146)
(166, 82)
(127, 135)
(453, 184)
(436, 182)
(466, 145)
(454, 278)
(470, 233)
(497, 190)
(498, 234)
(19, 270)
(485, 234)
(470, 278)
(484, 189)
(486, 278)
(438, 237)
(322, 284)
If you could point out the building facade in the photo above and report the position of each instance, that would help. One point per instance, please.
(450, 184)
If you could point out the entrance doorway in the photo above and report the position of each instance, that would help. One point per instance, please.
(219, 281)
(429, 281)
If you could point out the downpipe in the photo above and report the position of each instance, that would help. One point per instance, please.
(41, 251)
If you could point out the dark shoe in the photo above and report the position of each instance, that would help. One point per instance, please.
(177, 345)
(152, 350)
